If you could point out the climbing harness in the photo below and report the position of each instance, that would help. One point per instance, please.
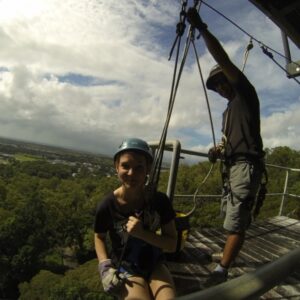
(260, 196)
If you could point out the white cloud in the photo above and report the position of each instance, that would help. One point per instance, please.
(124, 46)
(282, 128)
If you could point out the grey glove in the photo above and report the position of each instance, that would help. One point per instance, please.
(213, 155)
(217, 152)
(111, 280)
(195, 20)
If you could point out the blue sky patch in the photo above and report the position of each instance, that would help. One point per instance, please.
(83, 80)
(3, 69)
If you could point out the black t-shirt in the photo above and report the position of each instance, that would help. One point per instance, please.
(241, 122)
(110, 219)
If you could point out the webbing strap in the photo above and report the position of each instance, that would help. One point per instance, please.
(261, 193)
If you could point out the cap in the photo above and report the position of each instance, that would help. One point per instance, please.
(215, 72)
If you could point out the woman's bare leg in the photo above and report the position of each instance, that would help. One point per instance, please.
(136, 288)
(161, 284)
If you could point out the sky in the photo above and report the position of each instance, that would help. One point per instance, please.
(87, 74)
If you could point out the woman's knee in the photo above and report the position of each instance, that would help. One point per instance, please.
(161, 284)
(136, 288)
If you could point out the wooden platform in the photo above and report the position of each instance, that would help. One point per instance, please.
(265, 242)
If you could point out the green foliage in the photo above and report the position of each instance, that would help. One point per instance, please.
(40, 286)
(81, 283)
(200, 180)
(44, 169)
(68, 290)
(3, 191)
(283, 156)
(26, 157)
(6, 171)
(46, 209)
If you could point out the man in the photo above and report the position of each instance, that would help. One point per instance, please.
(241, 149)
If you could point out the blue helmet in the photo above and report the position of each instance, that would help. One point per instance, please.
(135, 145)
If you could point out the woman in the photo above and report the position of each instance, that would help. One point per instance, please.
(140, 225)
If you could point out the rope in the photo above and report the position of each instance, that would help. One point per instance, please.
(157, 162)
(205, 93)
(212, 128)
(243, 30)
(155, 171)
(270, 55)
(197, 191)
(191, 38)
(249, 47)
(262, 45)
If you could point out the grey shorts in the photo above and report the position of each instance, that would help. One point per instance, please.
(243, 179)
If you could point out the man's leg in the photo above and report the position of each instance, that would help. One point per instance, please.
(232, 248)
(243, 185)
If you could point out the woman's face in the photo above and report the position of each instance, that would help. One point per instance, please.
(132, 169)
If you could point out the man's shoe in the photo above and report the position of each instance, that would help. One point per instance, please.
(215, 278)
(217, 257)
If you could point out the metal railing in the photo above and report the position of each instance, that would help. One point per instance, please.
(174, 146)
(285, 193)
(251, 285)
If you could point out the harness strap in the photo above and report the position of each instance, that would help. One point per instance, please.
(261, 194)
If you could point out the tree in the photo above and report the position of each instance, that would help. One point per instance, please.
(24, 234)
(40, 286)
(81, 283)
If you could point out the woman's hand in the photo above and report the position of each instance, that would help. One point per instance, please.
(135, 227)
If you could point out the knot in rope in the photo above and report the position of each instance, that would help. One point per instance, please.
(180, 27)
(250, 45)
(246, 54)
(265, 51)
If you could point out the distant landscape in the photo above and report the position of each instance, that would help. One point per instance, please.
(48, 198)
(28, 151)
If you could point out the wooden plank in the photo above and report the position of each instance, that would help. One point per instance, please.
(265, 241)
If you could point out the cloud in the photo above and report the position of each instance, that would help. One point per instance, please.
(282, 128)
(85, 74)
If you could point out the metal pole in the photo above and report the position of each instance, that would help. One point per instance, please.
(286, 47)
(284, 192)
(252, 285)
(173, 168)
(175, 148)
